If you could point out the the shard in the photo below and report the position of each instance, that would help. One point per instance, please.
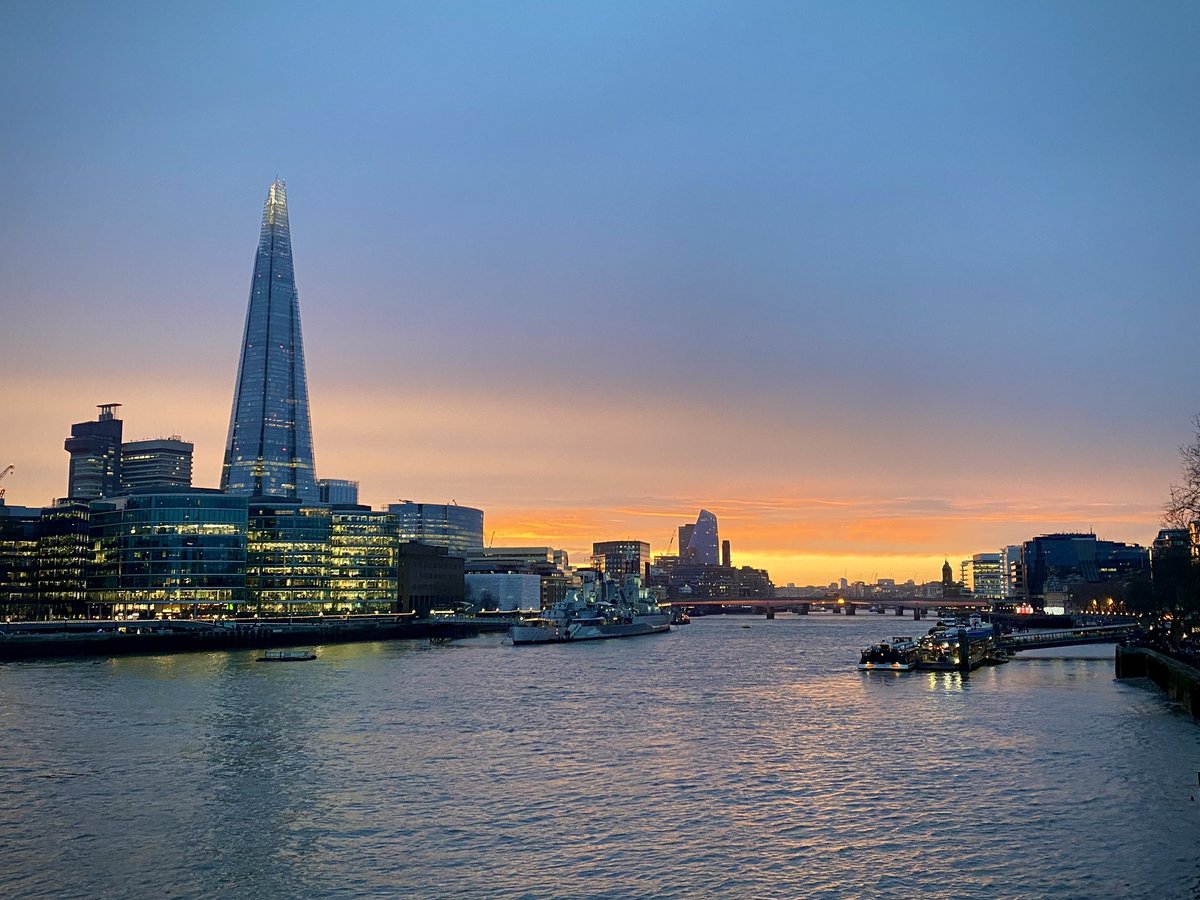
(270, 450)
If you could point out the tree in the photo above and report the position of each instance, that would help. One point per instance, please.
(1183, 503)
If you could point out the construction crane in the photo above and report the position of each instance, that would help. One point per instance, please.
(670, 544)
(2, 474)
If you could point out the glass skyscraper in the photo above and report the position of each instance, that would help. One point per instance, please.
(702, 541)
(270, 450)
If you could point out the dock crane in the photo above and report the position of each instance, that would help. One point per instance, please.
(2, 474)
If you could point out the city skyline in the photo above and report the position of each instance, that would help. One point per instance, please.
(874, 303)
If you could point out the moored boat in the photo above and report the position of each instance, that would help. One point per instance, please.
(582, 616)
(287, 656)
(900, 654)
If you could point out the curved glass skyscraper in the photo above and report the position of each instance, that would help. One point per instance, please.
(702, 543)
(270, 450)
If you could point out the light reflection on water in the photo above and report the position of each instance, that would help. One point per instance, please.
(714, 761)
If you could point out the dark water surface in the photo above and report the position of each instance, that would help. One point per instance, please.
(716, 761)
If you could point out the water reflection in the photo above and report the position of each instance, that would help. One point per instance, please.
(715, 760)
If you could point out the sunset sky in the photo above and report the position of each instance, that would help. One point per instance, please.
(876, 283)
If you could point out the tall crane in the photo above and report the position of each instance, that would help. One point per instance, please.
(2, 474)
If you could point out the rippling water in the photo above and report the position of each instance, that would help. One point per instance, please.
(716, 761)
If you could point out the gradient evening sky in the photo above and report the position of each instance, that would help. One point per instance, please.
(877, 283)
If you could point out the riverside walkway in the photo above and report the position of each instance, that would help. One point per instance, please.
(1067, 637)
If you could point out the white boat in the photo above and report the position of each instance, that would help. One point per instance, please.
(580, 616)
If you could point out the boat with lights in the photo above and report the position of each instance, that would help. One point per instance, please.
(900, 654)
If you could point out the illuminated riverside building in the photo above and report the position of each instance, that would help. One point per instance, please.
(983, 576)
(288, 548)
(64, 558)
(19, 560)
(95, 448)
(457, 528)
(169, 551)
(618, 558)
(269, 451)
(363, 561)
(155, 463)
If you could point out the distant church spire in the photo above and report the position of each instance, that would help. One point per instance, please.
(269, 451)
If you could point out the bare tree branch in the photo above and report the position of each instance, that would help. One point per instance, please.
(1183, 499)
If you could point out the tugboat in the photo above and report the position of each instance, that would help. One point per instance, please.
(900, 654)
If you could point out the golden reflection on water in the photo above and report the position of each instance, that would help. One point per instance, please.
(714, 761)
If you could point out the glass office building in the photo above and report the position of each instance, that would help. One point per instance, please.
(702, 544)
(457, 528)
(363, 549)
(287, 556)
(269, 451)
(177, 551)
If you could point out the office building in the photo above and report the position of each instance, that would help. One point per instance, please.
(983, 576)
(429, 578)
(552, 567)
(504, 591)
(161, 462)
(363, 551)
(702, 541)
(64, 557)
(1064, 564)
(19, 527)
(619, 558)
(269, 451)
(287, 556)
(169, 550)
(95, 448)
(457, 528)
(338, 491)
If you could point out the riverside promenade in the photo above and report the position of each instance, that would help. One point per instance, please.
(106, 637)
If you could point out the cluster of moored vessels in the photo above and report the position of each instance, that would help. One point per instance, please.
(941, 649)
(598, 610)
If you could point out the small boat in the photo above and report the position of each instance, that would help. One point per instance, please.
(900, 654)
(287, 655)
(745, 626)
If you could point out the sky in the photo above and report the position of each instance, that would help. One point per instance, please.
(879, 284)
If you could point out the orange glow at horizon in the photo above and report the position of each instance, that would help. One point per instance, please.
(564, 482)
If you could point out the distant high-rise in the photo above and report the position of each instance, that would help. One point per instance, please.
(458, 528)
(156, 463)
(338, 491)
(702, 545)
(95, 449)
(270, 450)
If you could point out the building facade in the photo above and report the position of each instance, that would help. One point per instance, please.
(338, 491)
(619, 558)
(1060, 563)
(457, 528)
(156, 463)
(703, 544)
(429, 578)
(288, 556)
(269, 450)
(170, 552)
(95, 448)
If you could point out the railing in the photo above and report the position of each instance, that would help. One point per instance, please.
(1100, 634)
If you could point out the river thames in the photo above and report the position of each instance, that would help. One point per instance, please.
(715, 761)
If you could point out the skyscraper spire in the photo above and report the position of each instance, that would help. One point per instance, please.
(270, 451)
